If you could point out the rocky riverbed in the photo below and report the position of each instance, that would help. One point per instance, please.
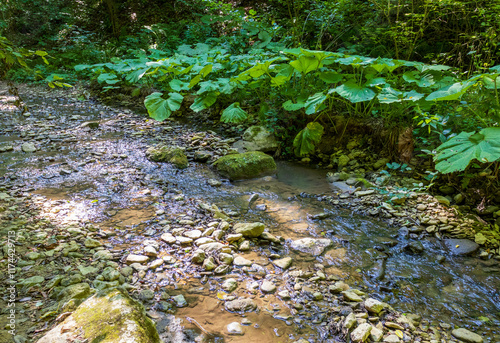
(88, 220)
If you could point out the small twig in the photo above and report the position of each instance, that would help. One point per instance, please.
(193, 321)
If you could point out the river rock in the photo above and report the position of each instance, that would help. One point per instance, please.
(174, 155)
(257, 138)
(235, 329)
(361, 333)
(467, 336)
(267, 287)
(391, 339)
(241, 261)
(198, 256)
(313, 246)
(250, 230)
(133, 258)
(283, 263)
(28, 147)
(229, 285)
(351, 296)
(373, 305)
(89, 322)
(240, 305)
(179, 300)
(245, 166)
(460, 246)
(214, 246)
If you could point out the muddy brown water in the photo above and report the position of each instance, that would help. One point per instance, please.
(119, 192)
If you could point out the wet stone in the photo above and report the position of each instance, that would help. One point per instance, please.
(235, 329)
(466, 336)
(229, 285)
(240, 305)
(251, 230)
(361, 333)
(133, 258)
(460, 246)
(179, 300)
(313, 246)
(241, 261)
(283, 263)
(267, 287)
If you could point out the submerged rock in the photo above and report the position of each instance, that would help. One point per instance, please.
(313, 246)
(245, 166)
(240, 305)
(173, 155)
(110, 316)
(460, 246)
(467, 336)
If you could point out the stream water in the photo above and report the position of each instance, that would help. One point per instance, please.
(120, 190)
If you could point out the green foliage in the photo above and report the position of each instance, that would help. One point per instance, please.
(457, 153)
(307, 138)
(233, 114)
(159, 108)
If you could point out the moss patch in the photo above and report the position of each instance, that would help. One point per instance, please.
(173, 155)
(246, 166)
(113, 316)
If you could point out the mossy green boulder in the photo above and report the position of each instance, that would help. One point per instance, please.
(245, 166)
(110, 316)
(174, 155)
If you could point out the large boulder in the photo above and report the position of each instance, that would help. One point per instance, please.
(245, 166)
(174, 155)
(110, 316)
(257, 138)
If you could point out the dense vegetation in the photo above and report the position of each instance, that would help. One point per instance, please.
(292, 65)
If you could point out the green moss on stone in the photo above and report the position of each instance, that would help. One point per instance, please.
(245, 166)
(173, 155)
(112, 316)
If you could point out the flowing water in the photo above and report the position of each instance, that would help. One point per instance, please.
(122, 189)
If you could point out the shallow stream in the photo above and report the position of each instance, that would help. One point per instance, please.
(102, 177)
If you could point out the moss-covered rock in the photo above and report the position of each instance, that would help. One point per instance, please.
(257, 138)
(245, 166)
(110, 316)
(174, 155)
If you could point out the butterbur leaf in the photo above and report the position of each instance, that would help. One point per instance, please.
(314, 102)
(354, 92)
(306, 64)
(159, 108)
(290, 106)
(451, 92)
(110, 79)
(456, 154)
(204, 101)
(330, 76)
(307, 138)
(233, 114)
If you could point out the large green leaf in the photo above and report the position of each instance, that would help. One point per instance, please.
(330, 76)
(421, 80)
(204, 101)
(451, 92)
(456, 154)
(314, 102)
(290, 106)
(354, 92)
(110, 79)
(306, 64)
(233, 114)
(159, 108)
(307, 138)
